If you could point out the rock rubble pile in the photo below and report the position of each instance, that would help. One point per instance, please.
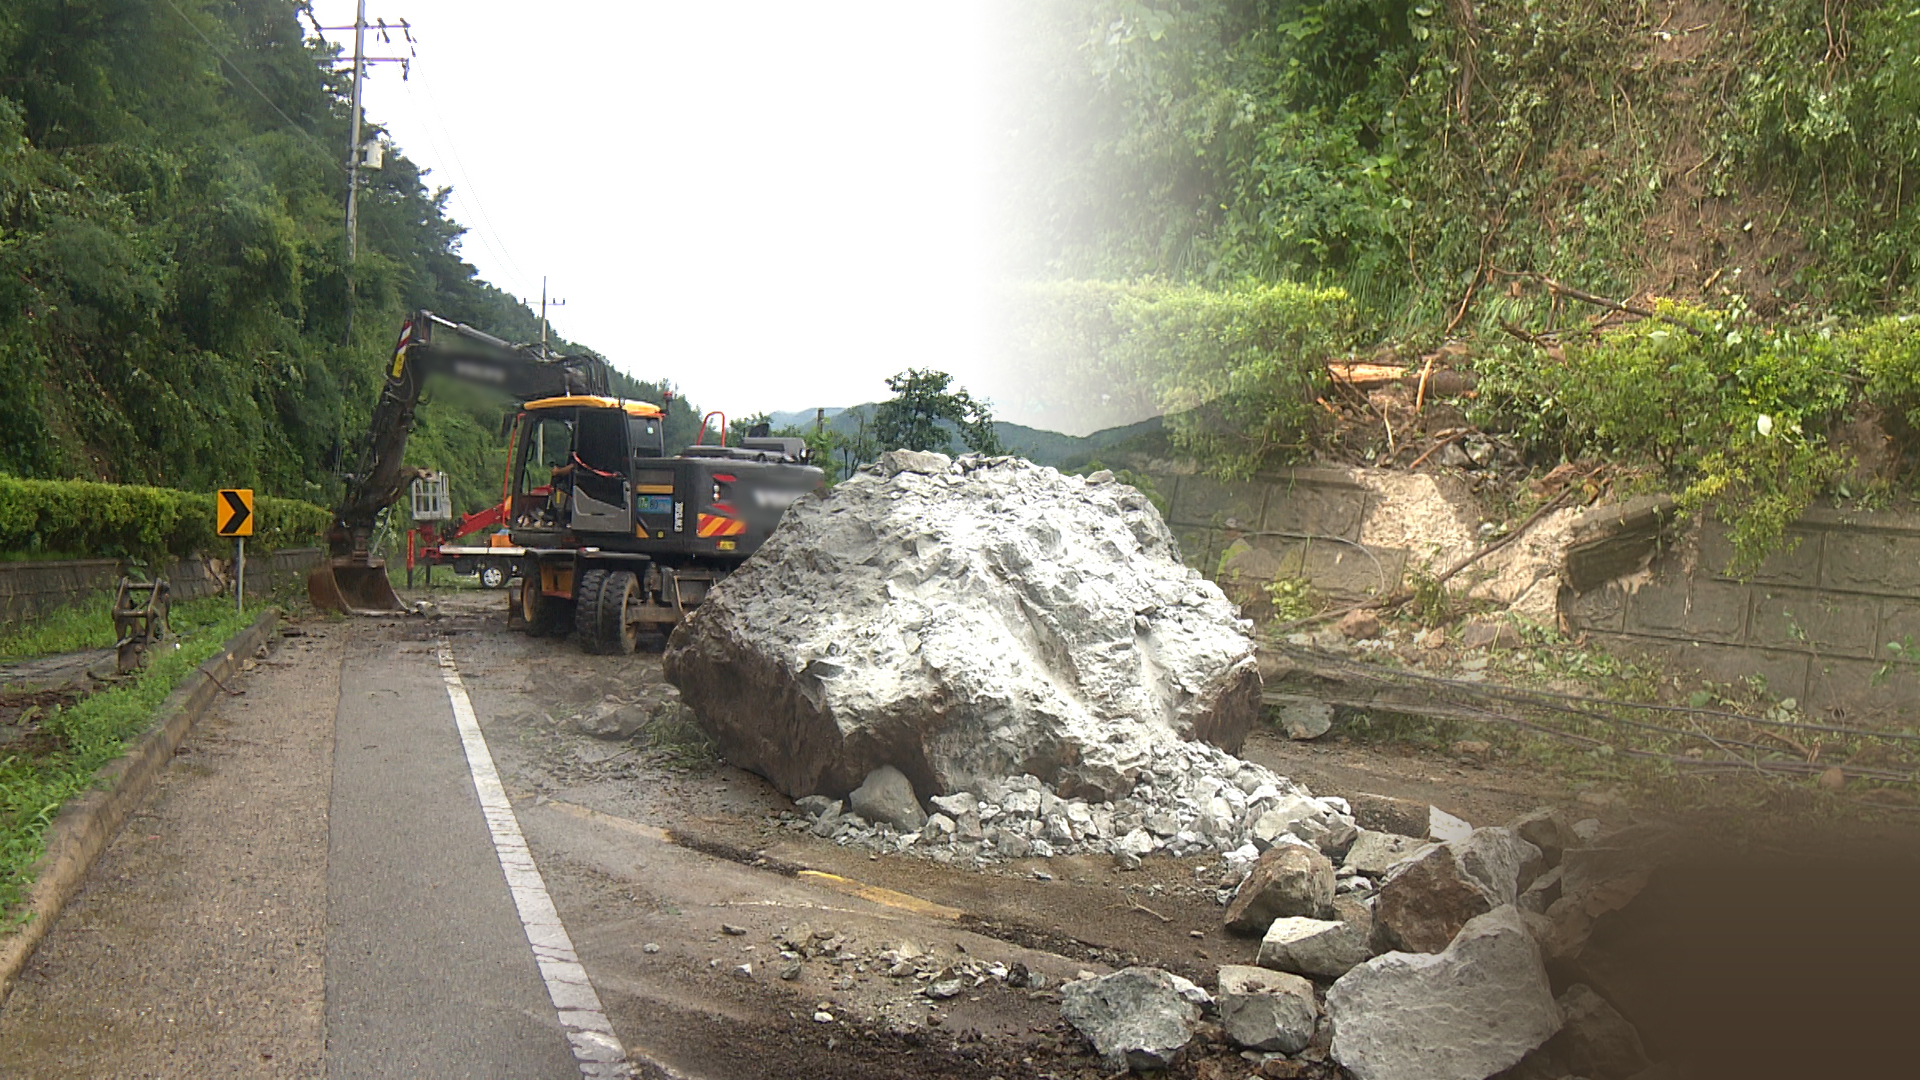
(1188, 799)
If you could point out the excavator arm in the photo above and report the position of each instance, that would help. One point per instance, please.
(352, 579)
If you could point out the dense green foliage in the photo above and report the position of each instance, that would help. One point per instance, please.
(1739, 414)
(913, 418)
(94, 520)
(34, 785)
(1403, 149)
(174, 292)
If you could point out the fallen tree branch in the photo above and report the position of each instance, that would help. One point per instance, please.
(1513, 534)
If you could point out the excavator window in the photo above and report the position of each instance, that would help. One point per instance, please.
(645, 436)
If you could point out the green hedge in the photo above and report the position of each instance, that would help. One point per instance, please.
(78, 517)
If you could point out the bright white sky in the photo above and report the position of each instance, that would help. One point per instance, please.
(773, 204)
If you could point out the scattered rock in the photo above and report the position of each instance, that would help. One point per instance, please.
(967, 622)
(1266, 1010)
(1328, 948)
(1477, 749)
(1489, 635)
(1540, 895)
(612, 721)
(1427, 899)
(815, 806)
(1385, 813)
(1302, 718)
(733, 931)
(1462, 1014)
(1287, 880)
(1374, 853)
(1137, 1018)
(1444, 826)
(822, 1016)
(1358, 624)
(1547, 830)
(1435, 638)
(887, 795)
(790, 970)
(650, 948)
(743, 971)
(1598, 1041)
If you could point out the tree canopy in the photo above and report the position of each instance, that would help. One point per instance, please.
(921, 404)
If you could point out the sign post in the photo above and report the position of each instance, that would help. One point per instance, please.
(233, 516)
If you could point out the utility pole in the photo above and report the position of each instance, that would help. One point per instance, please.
(543, 312)
(353, 155)
(358, 156)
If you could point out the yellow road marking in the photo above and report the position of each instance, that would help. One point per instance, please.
(878, 895)
(872, 893)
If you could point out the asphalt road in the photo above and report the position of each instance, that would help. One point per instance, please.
(334, 880)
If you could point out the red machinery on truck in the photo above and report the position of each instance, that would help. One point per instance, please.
(478, 545)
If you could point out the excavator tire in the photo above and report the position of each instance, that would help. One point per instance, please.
(586, 602)
(541, 615)
(600, 620)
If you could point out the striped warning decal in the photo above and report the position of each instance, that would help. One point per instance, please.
(711, 525)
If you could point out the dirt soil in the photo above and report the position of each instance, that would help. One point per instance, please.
(1080, 913)
(199, 947)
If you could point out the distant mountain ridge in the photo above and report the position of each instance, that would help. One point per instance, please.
(1036, 445)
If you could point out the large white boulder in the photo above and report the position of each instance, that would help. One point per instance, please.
(965, 621)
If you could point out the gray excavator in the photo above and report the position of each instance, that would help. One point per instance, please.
(619, 538)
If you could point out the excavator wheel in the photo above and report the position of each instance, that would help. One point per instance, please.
(600, 620)
(541, 615)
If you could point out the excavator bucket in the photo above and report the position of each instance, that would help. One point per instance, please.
(352, 586)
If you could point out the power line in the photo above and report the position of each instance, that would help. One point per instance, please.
(215, 49)
(484, 228)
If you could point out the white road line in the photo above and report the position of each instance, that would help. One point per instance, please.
(596, 1048)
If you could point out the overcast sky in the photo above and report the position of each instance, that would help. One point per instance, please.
(775, 205)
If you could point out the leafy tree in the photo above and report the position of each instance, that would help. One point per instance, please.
(921, 409)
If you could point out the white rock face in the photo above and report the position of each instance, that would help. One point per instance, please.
(965, 621)
(1462, 1014)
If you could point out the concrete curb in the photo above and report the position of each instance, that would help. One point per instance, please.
(88, 823)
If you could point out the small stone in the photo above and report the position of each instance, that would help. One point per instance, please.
(823, 1017)
(1598, 1040)
(1327, 948)
(790, 970)
(1477, 749)
(945, 988)
(743, 971)
(733, 931)
(1545, 829)
(650, 948)
(1375, 853)
(1489, 635)
(1444, 826)
(815, 805)
(1266, 1010)
(938, 827)
(887, 795)
(1288, 880)
(1588, 830)
(1358, 624)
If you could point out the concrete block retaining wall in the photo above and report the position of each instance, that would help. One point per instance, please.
(1813, 623)
(31, 589)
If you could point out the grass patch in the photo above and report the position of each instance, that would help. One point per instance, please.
(39, 773)
(86, 623)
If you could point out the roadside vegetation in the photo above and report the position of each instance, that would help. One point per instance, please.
(54, 752)
(1680, 239)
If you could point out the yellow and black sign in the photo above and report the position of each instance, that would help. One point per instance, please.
(233, 512)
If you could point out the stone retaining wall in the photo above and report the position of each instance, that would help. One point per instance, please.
(29, 590)
(1814, 623)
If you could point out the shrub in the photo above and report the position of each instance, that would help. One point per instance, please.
(128, 521)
